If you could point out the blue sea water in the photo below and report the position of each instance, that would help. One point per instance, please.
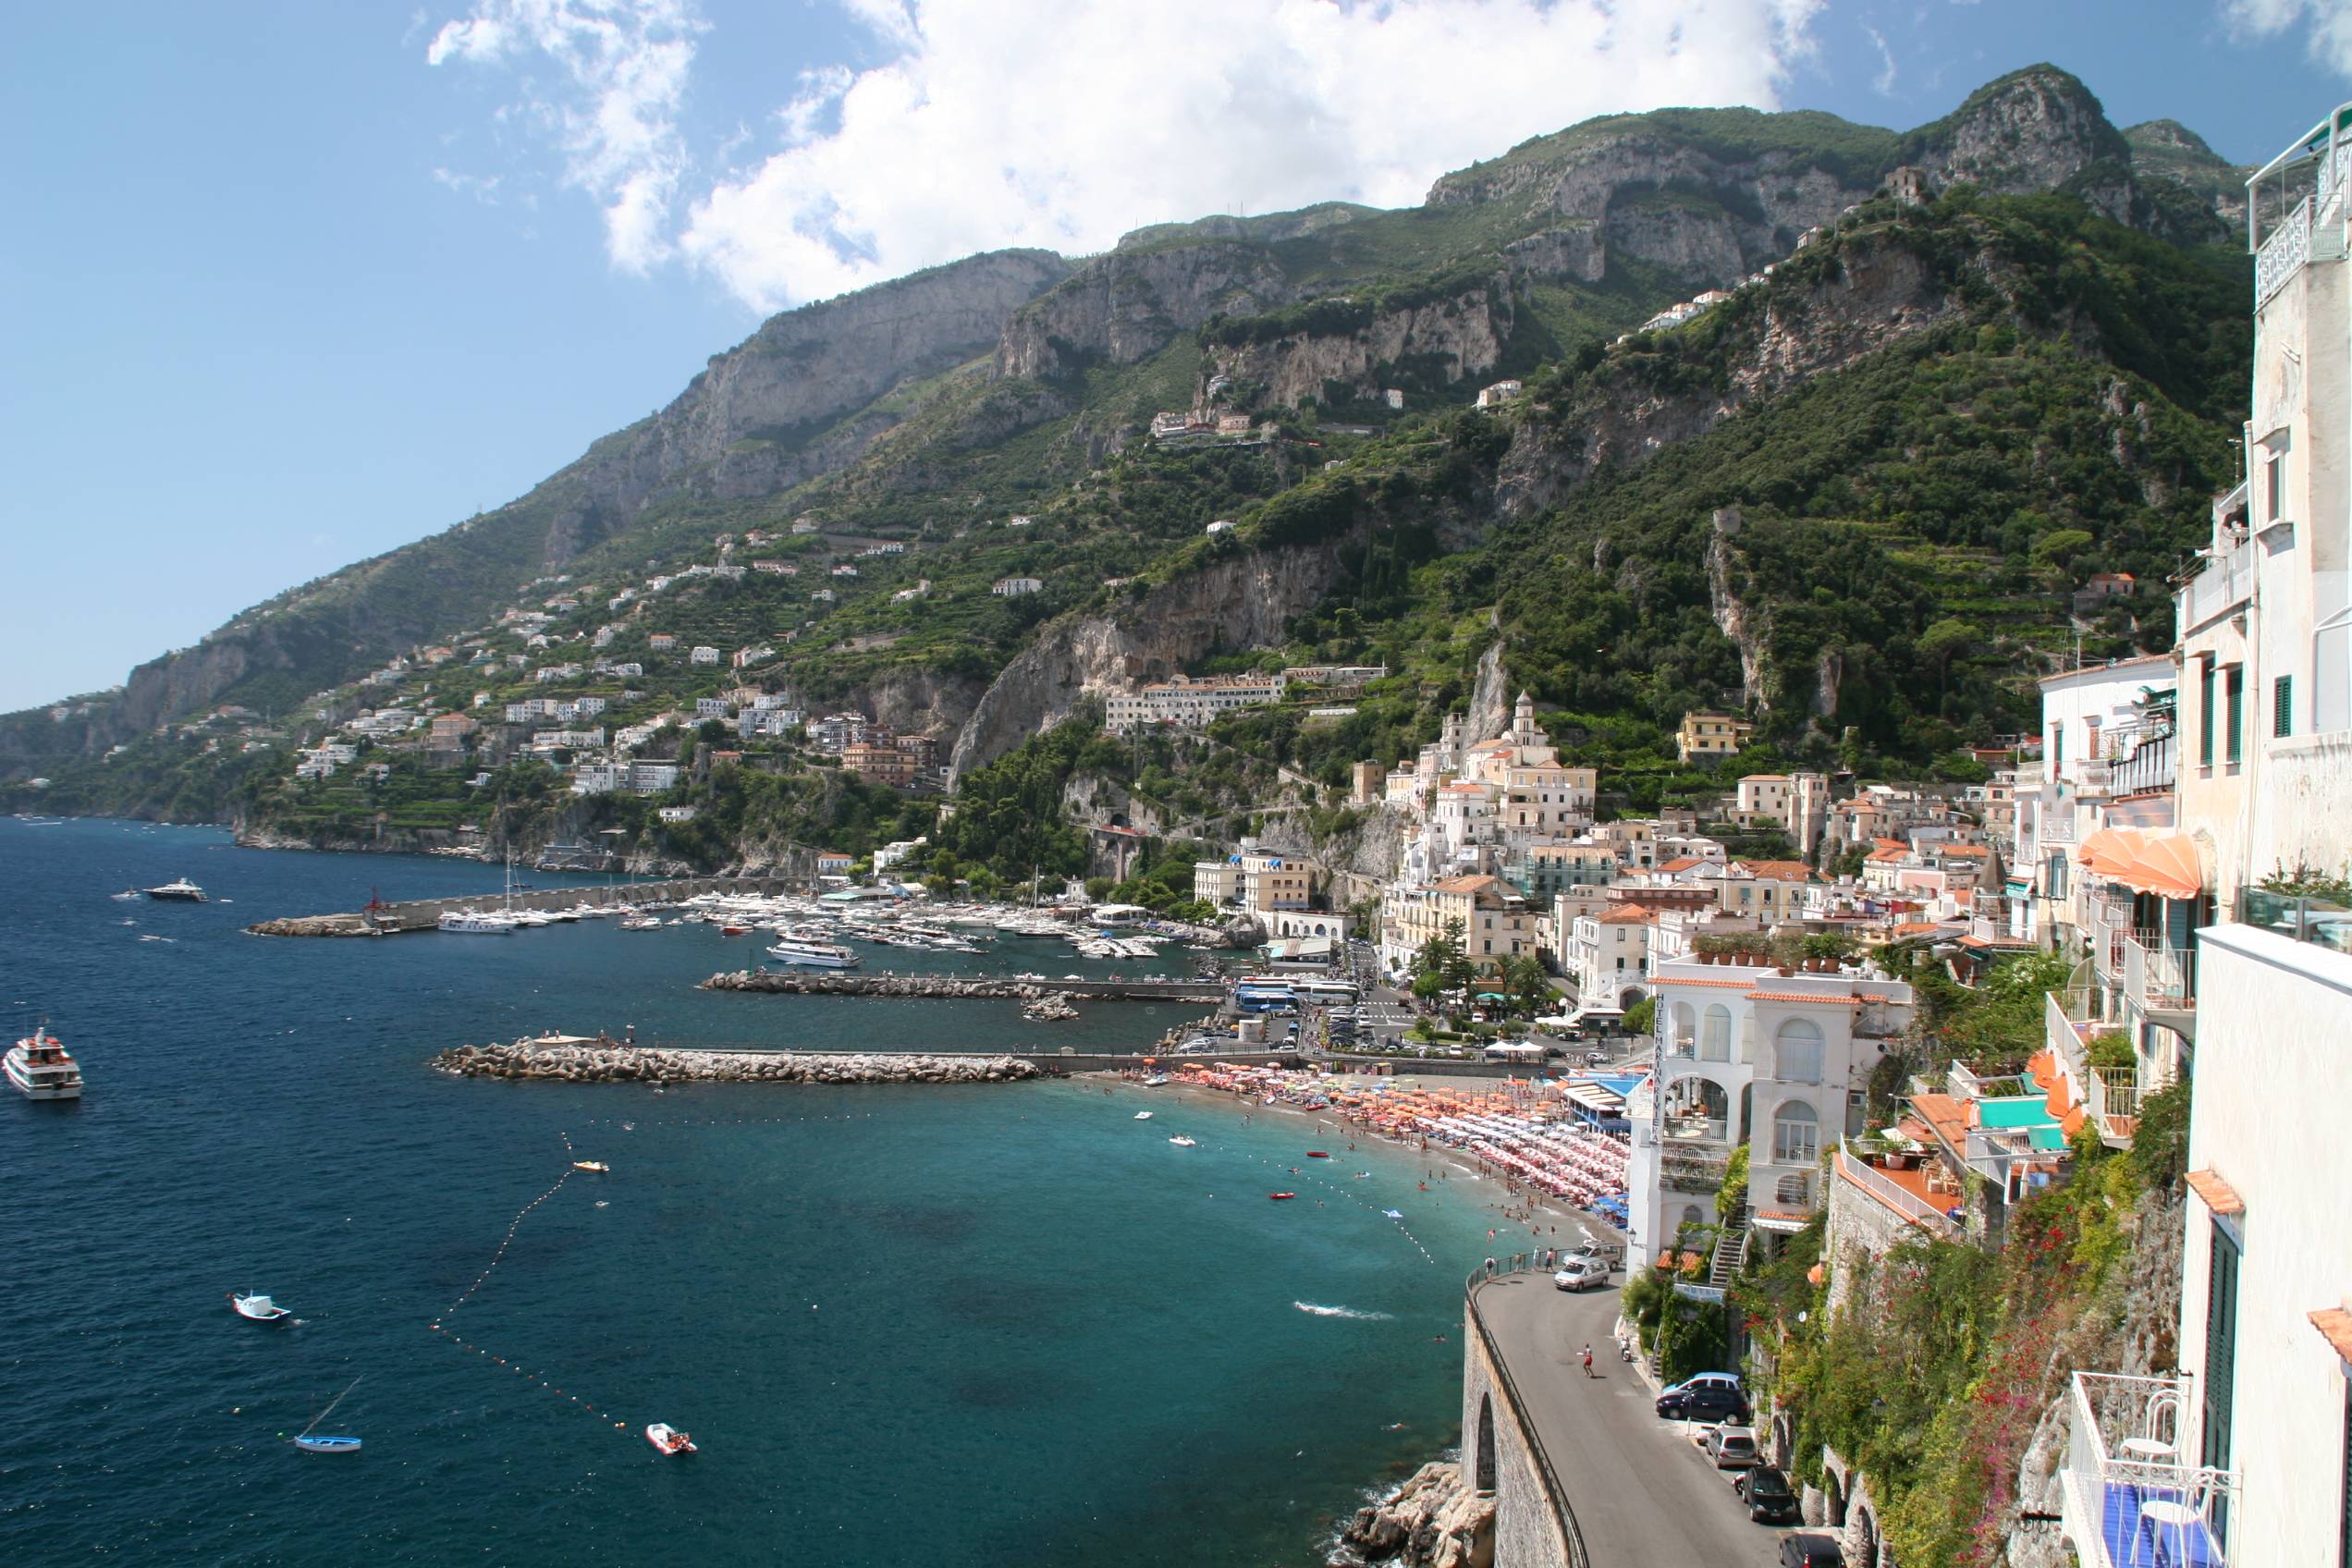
(1005, 1325)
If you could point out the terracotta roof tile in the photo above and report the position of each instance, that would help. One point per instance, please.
(2217, 1194)
(2335, 1325)
(1777, 870)
(1946, 1118)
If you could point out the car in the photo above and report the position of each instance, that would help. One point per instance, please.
(1769, 1497)
(1582, 1274)
(1708, 1381)
(1708, 1403)
(1799, 1549)
(1731, 1445)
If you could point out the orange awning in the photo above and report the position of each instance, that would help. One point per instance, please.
(2162, 864)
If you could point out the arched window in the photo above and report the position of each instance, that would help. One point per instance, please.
(1485, 1461)
(1680, 1027)
(1796, 1134)
(1715, 1033)
(1796, 1051)
(1691, 1215)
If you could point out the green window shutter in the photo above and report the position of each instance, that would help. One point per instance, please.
(2235, 697)
(2282, 706)
(2205, 713)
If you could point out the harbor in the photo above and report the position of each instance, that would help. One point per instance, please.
(425, 914)
(832, 983)
(600, 1060)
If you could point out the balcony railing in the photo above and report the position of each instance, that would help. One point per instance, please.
(2283, 253)
(2130, 1497)
(1851, 1167)
(2227, 580)
(2317, 921)
(2161, 978)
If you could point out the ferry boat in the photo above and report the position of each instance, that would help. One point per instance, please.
(183, 891)
(813, 955)
(476, 923)
(39, 1068)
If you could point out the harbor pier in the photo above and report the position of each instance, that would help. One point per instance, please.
(425, 914)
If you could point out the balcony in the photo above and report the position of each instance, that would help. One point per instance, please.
(2317, 921)
(2130, 1499)
(2284, 253)
(2226, 582)
(1904, 1191)
(2109, 1096)
(2161, 980)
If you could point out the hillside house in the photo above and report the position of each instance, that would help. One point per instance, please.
(1015, 587)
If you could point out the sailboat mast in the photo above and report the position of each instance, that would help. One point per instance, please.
(330, 1408)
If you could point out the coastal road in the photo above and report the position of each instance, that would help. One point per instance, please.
(1642, 1491)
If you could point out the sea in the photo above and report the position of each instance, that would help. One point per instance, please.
(986, 1325)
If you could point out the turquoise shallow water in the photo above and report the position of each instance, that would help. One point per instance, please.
(1006, 1325)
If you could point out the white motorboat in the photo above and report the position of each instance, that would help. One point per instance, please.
(668, 1440)
(1143, 1116)
(40, 1069)
(183, 891)
(257, 1308)
(813, 955)
(476, 923)
(641, 923)
(1181, 1142)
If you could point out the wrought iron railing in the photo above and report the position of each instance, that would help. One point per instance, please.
(1903, 1201)
(2129, 1493)
(2283, 253)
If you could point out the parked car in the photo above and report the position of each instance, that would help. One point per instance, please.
(1583, 1274)
(1733, 1447)
(1706, 1401)
(1801, 1550)
(1769, 1497)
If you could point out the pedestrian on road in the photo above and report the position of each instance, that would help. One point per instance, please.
(1588, 1371)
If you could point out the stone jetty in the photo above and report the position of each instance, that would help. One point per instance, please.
(1054, 1009)
(833, 983)
(574, 1061)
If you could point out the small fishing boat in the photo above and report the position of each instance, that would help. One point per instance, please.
(598, 1166)
(310, 1444)
(668, 1440)
(1317, 1154)
(127, 893)
(734, 930)
(1279, 1196)
(257, 1308)
(1143, 1116)
(1183, 1143)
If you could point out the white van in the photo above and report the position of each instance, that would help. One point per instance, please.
(1582, 1274)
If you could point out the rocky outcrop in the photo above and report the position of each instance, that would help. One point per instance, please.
(1432, 343)
(605, 1062)
(1435, 1520)
(1489, 711)
(1732, 616)
(1244, 600)
(1121, 307)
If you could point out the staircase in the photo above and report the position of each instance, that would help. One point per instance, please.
(1731, 1249)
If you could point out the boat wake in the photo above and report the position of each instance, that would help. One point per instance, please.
(1313, 1310)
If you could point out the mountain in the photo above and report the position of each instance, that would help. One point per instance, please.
(990, 418)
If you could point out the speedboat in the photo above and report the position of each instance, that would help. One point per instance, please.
(813, 955)
(1156, 1081)
(183, 891)
(641, 923)
(257, 1308)
(597, 1166)
(127, 893)
(1181, 1142)
(668, 1440)
(40, 1069)
(1279, 1196)
(1143, 1116)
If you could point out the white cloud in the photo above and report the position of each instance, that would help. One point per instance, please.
(481, 188)
(2328, 23)
(623, 67)
(1883, 83)
(980, 124)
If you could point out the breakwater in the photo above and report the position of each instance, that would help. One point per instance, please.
(604, 1061)
(834, 982)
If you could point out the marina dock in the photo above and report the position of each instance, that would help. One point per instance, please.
(425, 914)
(834, 982)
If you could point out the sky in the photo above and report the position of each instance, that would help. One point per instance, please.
(287, 285)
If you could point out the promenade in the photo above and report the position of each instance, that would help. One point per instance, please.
(1642, 1493)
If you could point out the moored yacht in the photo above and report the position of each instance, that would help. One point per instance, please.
(183, 891)
(476, 923)
(813, 955)
(40, 1069)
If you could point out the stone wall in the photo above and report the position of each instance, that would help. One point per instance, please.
(1526, 1532)
(1859, 1227)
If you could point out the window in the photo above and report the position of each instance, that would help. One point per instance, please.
(2282, 707)
(1715, 1033)
(1796, 1134)
(2234, 698)
(2057, 745)
(2056, 885)
(1796, 1051)
(2205, 711)
(2275, 486)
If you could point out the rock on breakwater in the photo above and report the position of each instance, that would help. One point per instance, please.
(1435, 1520)
(605, 1062)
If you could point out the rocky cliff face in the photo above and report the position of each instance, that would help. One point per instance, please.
(1242, 601)
(1121, 307)
(1442, 341)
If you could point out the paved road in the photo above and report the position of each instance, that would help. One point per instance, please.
(1643, 1495)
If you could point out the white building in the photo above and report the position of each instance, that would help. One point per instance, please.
(1014, 587)
(1189, 703)
(703, 655)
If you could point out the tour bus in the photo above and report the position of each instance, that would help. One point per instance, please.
(1263, 995)
(1327, 993)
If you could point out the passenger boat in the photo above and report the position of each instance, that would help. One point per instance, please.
(183, 891)
(40, 1069)
(597, 1166)
(310, 1444)
(257, 1308)
(668, 1440)
(813, 955)
(127, 893)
